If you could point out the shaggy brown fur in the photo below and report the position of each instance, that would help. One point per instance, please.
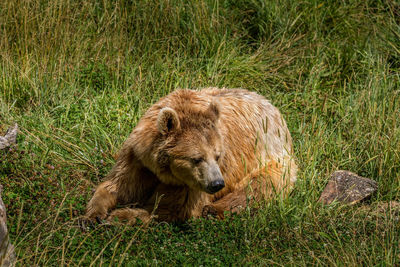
(187, 147)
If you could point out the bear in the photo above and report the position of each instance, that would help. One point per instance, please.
(196, 153)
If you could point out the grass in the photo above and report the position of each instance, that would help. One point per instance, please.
(77, 75)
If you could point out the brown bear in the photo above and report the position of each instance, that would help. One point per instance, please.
(198, 152)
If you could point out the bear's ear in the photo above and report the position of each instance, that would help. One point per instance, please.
(214, 109)
(167, 121)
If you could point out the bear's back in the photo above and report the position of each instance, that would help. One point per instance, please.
(252, 115)
(254, 130)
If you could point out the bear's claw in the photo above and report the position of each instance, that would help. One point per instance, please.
(210, 210)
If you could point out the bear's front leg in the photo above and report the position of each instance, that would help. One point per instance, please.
(167, 203)
(233, 202)
(260, 184)
(103, 200)
(128, 182)
(130, 216)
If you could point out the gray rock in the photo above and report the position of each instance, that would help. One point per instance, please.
(9, 138)
(7, 255)
(347, 187)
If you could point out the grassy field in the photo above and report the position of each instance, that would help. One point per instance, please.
(77, 75)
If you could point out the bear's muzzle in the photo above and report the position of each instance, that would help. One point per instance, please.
(216, 179)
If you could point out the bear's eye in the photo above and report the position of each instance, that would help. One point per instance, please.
(197, 160)
(217, 157)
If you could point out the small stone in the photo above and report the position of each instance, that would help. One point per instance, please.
(7, 254)
(9, 138)
(384, 206)
(382, 210)
(347, 187)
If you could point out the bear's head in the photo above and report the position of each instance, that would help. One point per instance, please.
(192, 147)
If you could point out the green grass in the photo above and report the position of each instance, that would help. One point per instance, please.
(77, 75)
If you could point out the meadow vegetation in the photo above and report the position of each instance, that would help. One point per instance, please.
(77, 75)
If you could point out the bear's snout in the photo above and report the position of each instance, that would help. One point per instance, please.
(217, 181)
(215, 186)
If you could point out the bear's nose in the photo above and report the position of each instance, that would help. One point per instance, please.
(215, 186)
